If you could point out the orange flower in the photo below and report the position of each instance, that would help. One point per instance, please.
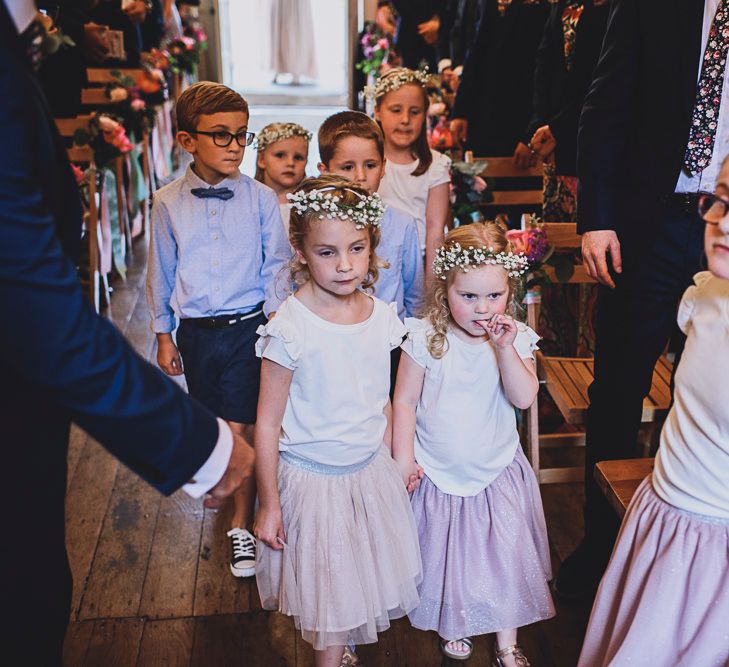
(148, 83)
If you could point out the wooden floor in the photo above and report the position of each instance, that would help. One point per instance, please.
(152, 584)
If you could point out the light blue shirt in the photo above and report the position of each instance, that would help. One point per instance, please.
(212, 256)
(403, 282)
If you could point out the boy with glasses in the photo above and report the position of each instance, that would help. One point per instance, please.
(216, 247)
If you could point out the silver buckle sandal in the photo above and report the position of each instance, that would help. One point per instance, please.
(515, 650)
(452, 654)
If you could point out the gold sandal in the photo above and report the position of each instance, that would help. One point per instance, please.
(515, 650)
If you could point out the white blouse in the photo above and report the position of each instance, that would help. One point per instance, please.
(692, 465)
(465, 432)
(341, 383)
(409, 193)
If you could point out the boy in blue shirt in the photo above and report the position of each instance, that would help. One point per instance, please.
(216, 247)
(351, 145)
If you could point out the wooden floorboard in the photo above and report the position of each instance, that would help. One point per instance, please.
(167, 643)
(152, 584)
(169, 588)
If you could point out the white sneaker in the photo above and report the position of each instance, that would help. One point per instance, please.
(243, 561)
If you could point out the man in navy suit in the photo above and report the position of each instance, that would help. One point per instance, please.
(637, 212)
(60, 362)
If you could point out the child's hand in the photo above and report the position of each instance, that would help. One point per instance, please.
(414, 479)
(502, 331)
(268, 527)
(168, 357)
(411, 474)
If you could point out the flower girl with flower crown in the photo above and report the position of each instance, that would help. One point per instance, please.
(466, 366)
(339, 549)
(283, 149)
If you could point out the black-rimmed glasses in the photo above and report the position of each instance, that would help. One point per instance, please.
(223, 138)
(713, 208)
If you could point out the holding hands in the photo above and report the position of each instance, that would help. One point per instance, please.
(410, 472)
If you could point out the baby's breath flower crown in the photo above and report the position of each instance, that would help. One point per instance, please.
(454, 256)
(367, 211)
(284, 131)
(396, 80)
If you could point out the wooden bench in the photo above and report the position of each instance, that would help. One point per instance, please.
(619, 480)
(568, 379)
(504, 167)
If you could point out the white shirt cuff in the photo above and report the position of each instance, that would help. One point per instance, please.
(443, 63)
(22, 12)
(214, 468)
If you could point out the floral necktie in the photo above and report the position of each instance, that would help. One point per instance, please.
(705, 117)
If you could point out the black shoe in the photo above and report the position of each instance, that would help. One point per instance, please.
(580, 573)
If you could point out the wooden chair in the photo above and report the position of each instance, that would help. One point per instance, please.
(567, 379)
(98, 282)
(619, 480)
(504, 167)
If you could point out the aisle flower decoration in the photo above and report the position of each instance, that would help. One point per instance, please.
(468, 191)
(184, 52)
(532, 241)
(134, 99)
(376, 48)
(107, 138)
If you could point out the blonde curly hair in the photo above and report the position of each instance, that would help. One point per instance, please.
(477, 235)
(349, 194)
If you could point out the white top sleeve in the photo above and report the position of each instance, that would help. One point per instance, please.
(526, 341)
(278, 342)
(688, 301)
(439, 171)
(416, 343)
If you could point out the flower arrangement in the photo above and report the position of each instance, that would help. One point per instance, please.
(184, 52)
(134, 98)
(106, 136)
(533, 243)
(376, 48)
(468, 191)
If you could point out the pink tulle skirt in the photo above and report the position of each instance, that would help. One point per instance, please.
(351, 561)
(664, 599)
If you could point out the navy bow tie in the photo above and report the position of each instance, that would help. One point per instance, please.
(217, 193)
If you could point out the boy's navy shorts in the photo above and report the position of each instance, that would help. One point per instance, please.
(221, 367)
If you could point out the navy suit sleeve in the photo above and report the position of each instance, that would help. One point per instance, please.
(51, 335)
(607, 119)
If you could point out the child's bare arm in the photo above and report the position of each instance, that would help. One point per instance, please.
(274, 392)
(168, 356)
(518, 375)
(409, 386)
(436, 213)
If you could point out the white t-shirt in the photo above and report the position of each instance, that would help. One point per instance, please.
(692, 464)
(409, 193)
(465, 431)
(285, 210)
(341, 382)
